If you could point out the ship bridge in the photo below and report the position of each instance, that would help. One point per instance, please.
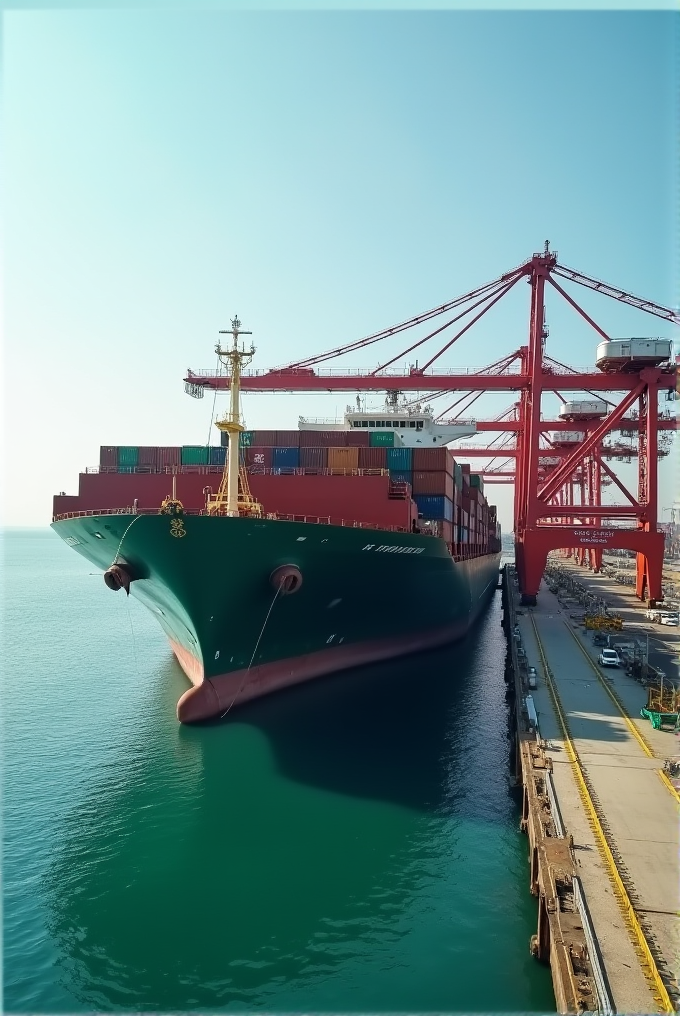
(412, 428)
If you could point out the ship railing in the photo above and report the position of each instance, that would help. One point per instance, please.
(325, 520)
(253, 469)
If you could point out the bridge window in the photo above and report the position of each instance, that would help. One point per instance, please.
(364, 423)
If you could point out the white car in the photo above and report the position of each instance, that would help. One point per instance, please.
(671, 619)
(609, 658)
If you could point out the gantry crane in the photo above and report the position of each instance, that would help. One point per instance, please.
(547, 514)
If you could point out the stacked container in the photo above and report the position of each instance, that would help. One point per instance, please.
(128, 458)
(108, 458)
(194, 455)
(343, 458)
(433, 484)
(286, 458)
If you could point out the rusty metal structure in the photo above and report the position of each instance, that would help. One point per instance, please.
(558, 499)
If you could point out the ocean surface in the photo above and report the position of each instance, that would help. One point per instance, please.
(348, 846)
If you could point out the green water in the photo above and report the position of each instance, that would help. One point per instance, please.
(347, 846)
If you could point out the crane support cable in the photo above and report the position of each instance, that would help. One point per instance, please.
(502, 293)
(447, 324)
(410, 323)
(618, 294)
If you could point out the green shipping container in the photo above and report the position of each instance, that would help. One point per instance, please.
(127, 456)
(477, 481)
(194, 455)
(381, 439)
(245, 439)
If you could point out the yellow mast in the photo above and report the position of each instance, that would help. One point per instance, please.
(233, 497)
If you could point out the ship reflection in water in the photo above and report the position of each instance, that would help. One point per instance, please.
(350, 845)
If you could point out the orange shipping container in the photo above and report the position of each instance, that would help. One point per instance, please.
(343, 458)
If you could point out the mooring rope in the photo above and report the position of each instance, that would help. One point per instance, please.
(259, 637)
(115, 556)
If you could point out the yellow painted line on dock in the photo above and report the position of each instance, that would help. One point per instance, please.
(668, 785)
(640, 738)
(639, 939)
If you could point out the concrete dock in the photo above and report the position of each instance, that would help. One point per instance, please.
(613, 801)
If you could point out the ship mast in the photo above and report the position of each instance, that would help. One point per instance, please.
(227, 500)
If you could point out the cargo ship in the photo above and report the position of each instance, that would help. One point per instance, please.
(277, 557)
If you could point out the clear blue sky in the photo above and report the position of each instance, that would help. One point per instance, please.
(323, 175)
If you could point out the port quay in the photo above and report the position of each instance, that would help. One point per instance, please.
(599, 808)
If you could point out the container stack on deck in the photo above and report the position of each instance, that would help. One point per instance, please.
(346, 474)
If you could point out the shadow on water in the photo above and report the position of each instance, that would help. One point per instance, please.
(339, 847)
(385, 732)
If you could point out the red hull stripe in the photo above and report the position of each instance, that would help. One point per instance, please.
(217, 694)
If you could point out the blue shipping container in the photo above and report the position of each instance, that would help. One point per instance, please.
(285, 458)
(401, 475)
(217, 455)
(431, 507)
(399, 458)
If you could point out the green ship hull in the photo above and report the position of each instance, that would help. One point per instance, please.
(254, 605)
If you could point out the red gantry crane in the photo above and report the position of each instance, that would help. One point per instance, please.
(558, 484)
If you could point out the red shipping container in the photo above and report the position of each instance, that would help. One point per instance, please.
(352, 498)
(430, 482)
(373, 458)
(148, 456)
(257, 457)
(264, 439)
(322, 438)
(358, 438)
(431, 459)
(313, 458)
(169, 456)
(108, 459)
(287, 439)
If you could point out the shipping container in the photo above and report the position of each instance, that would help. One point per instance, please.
(108, 457)
(372, 458)
(430, 482)
(477, 481)
(431, 507)
(381, 438)
(343, 458)
(322, 438)
(402, 476)
(288, 439)
(458, 476)
(257, 458)
(128, 457)
(264, 438)
(169, 456)
(148, 456)
(427, 459)
(357, 438)
(217, 455)
(285, 458)
(245, 438)
(313, 458)
(400, 458)
(464, 536)
(194, 455)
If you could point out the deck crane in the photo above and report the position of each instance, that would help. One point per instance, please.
(547, 513)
